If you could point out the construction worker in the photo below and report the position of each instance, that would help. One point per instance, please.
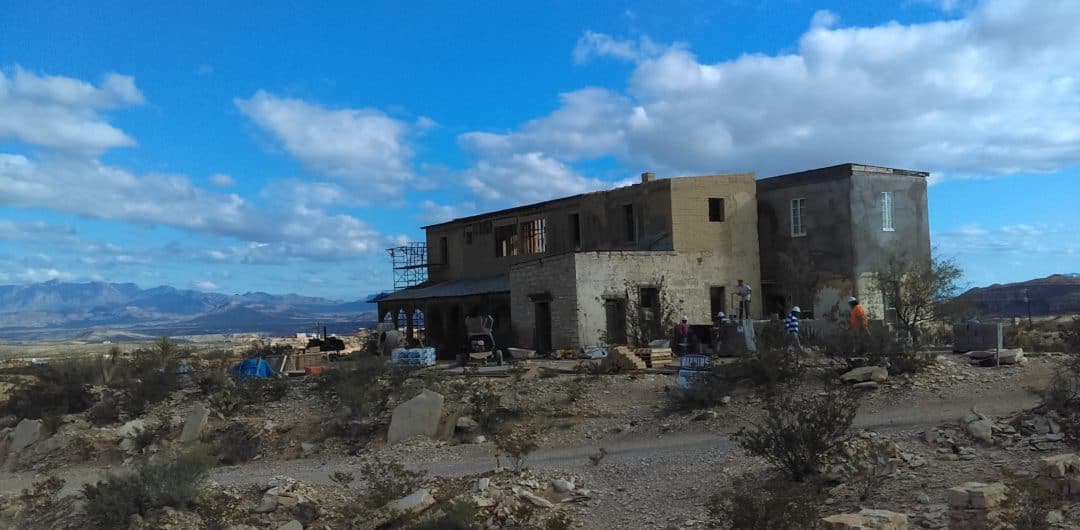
(743, 290)
(791, 327)
(682, 335)
(860, 323)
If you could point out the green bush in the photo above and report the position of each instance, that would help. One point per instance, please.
(798, 431)
(775, 506)
(155, 483)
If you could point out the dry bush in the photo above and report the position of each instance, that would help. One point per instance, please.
(155, 483)
(484, 403)
(777, 505)
(798, 432)
(871, 466)
(1027, 505)
(237, 443)
(1070, 335)
(59, 388)
(387, 481)
(517, 444)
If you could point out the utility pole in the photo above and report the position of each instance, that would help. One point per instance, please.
(1027, 300)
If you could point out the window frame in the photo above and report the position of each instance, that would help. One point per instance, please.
(798, 205)
(887, 212)
(716, 206)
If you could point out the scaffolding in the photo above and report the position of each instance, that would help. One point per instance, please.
(410, 264)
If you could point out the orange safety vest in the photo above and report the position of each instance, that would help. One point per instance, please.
(859, 320)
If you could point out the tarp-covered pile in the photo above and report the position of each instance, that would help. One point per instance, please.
(413, 356)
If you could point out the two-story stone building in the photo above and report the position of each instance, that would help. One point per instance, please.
(563, 273)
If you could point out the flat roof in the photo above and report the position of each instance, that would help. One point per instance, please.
(838, 171)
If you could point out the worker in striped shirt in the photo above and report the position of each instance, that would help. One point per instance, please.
(791, 327)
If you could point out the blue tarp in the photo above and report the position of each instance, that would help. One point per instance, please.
(252, 368)
(413, 356)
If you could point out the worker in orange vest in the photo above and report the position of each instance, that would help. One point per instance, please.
(860, 323)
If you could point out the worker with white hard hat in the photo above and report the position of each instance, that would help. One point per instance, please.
(791, 327)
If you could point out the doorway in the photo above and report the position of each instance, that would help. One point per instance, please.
(542, 331)
(717, 302)
(615, 316)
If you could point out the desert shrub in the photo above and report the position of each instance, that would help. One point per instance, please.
(228, 400)
(237, 443)
(1062, 396)
(60, 388)
(899, 357)
(768, 368)
(41, 506)
(575, 390)
(342, 478)
(153, 484)
(559, 521)
(254, 391)
(1027, 505)
(870, 466)
(365, 390)
(517, 444)
(777, 505)
(387, 481)
(798, 431)
(484, 404)
(148, 376)
(459, 514)
(706, 392)
(1070, 335)
(523, 514)
(51, 422)
(213, 381)
(106, 411)
(145, 437)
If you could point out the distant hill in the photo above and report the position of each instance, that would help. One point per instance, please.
(61, 310)
(1053, 295)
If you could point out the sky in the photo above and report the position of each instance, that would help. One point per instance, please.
(282, 147)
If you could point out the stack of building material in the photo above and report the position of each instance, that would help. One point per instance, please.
(655, 357)
(623, 358)
(977, 505)
(1061, 474)
(413, 356)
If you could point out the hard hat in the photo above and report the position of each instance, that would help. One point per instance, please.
(684, 319)
(851, 299)
(796, 310)
(720, 315)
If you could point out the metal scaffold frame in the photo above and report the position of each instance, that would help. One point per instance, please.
(410, 264)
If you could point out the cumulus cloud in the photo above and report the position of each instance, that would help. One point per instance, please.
(204, 285)
(994, 92)
(433, 212)
(524, 178)
(365, 148)
(222, 180)
(63, 113)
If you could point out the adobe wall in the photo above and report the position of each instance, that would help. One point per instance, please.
(548, 276)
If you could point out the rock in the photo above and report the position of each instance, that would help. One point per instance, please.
(8, 421)
(417, 502)
(27, 433)
(292, 525)
(866, 519)
(979, 427)
(467, 424)
(482, 484)
(1055, 437)
(535, 500)
(308, 448)
(725, 400)
(479, 439)
(976, 495)
(194, 423)
(418, 416)
(562, 486)
(866, 385)
(866, 373)
(268, 504)
(241, 527)
(130, 428)
(1055, 517)
(924, 498)
(1011, 356)
(707, 415)
(1061, 466)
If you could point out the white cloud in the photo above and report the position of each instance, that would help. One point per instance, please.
(63, 113)
(994, 92)
(222, 180)
(205, 285)
(438, 213)
(32, 275)
(364, 148)
(592, 44)
(526, 177)
(823, 19)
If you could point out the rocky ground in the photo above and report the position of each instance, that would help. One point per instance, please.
(612, 453)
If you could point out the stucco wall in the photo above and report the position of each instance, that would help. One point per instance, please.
(549, 276)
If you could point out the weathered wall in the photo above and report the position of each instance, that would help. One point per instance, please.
(552, 277)
(601, 218)
(798, 268)
(873, 245)
(686, 275)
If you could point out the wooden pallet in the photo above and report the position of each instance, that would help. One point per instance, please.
(624, 359)
(655, 357)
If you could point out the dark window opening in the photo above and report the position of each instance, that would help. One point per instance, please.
(575, 227)
(631, 226)
(505, 241)
(444, 250)
(649, 301)
(468, 237)
(717, 301)
(615, 316)
(716, 210)
(533, 236)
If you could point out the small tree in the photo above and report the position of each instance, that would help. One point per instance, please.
(646, 324)
(916, 287)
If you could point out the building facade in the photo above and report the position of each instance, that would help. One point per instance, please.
(591, 268)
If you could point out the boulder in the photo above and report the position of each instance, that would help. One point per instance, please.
(417, 502)
(866, 373)
(268, 504)
(482, 484)
(292, 525)
(979, 427)
(130, 428)
(866, 385)
(467, 424)
(418, 416)
(27, 433)
(194, 423)
(977, 495)
(562, 486)
(866, 519)
(1011, 356)
(535, 499)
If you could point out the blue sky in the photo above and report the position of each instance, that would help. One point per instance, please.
(282, 147)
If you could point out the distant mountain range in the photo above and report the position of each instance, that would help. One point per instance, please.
(59, 310)
(1053, 295)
